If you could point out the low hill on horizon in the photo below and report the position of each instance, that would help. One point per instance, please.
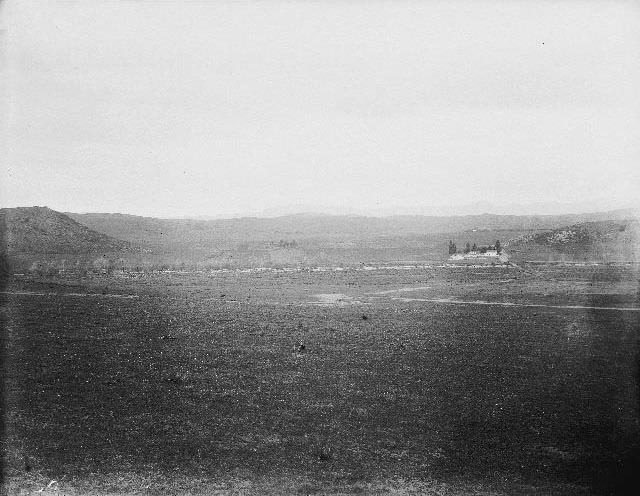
(597, 241)
(201, 236)
(40, 230)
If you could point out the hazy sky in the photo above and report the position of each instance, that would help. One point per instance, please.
(191, 108)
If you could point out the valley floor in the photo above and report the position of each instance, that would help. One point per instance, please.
(426, 380)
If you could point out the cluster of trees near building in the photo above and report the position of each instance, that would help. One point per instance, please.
(453, 249)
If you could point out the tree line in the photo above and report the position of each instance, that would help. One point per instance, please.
(453, 249)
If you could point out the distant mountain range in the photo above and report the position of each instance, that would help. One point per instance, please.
(475, 208)
(39, 233)
(188, 235)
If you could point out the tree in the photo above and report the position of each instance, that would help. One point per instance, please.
(474, 247)
(452, 248)
(467, 248)
(498, 246)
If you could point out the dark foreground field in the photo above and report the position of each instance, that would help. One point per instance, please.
(197, 383)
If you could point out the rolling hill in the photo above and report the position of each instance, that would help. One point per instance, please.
(201, 236)
(40, 230)
(602, 241)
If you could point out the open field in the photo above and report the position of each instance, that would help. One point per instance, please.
(418, 380)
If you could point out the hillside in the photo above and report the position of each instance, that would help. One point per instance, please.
(44, 237)
(40, 230)
(201, 236)
(605, 241)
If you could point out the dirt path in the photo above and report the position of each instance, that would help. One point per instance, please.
(400, 290)
(510, 304)
(76, 295)
(334, 299)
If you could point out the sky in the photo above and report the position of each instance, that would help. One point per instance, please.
(173, 109)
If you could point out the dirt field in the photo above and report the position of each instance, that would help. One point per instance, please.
(427, 380)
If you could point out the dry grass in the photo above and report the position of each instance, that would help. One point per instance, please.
(198, 387)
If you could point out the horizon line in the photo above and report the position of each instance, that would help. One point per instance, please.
(634, 210)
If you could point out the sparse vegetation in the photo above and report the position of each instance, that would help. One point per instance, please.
(590, 241)
(288, 244)
(176, 381)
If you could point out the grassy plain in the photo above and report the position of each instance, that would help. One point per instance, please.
(198, 384)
